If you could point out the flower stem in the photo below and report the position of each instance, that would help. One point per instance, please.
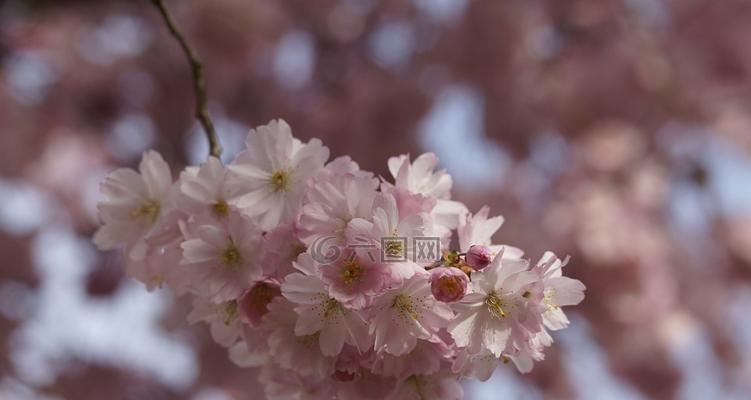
(199, 82)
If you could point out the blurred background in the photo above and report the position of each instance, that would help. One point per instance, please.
(614, 131)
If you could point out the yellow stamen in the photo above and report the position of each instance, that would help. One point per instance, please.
(220, 208)
(231, 257)
(403, 304)
(331, 307)
(230, 312)
(279, 180)
(309, 340)
(148, 210)
(547, 299)
(351, 272)
(495, 305)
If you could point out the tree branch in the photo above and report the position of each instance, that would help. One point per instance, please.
(199, 83)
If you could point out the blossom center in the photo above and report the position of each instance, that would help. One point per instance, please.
(451, 285)
(495, 304)
(309, 340)
(403, 304)
(220, 208)
(148, 210)
(331, 307)
(230, 312)
(351, 272)
(279, 180)
(231, 256)
(547, 299)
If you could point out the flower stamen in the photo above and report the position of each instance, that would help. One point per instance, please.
(547, 299)
(351, 272)
(331, 307)
(309, 340)
(148, 210)
(230, 312)
(495, 304)
(403, 304)
(220, 208)
(279, 180)
(231, 257)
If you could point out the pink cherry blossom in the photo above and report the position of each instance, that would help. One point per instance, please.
(405, 314)
(223, 261)
(391, 234)
(273, 172)
(163, 252)
(281, 248)
(559, 291)
(504, 301)
(132, 204)
(301, 353)
(322, 315)
(356, 278)
(478, 229)
(332, 203)
(418, 176)
(223, 319)
(207, 189)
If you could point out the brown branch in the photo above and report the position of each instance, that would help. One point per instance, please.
(199, 83)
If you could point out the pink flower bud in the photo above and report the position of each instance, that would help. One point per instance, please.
(254, 302)
(448, 284)
(478, 257)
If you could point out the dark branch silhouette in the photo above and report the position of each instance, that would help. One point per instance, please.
(199, 83)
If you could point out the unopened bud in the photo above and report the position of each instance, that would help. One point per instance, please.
(448, 284)
(478, 257)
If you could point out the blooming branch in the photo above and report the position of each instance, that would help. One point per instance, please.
(338, 284)
(199, 83)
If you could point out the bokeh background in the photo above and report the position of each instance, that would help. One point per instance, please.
(614, 131)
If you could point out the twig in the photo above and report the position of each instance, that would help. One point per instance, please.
(199, 83)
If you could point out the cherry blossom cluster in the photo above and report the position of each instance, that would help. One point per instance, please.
(308, 269)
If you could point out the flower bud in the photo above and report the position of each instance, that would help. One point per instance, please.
(478, 257)
(254, 302)
(448, 284)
